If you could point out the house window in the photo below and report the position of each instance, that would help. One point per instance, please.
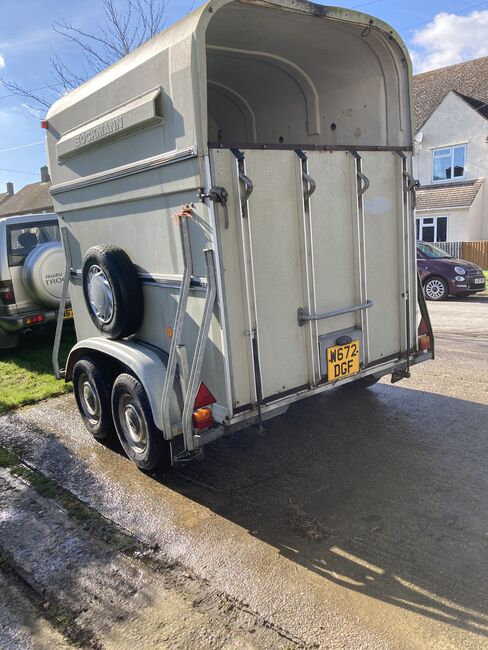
(449, 163)
(431, 229)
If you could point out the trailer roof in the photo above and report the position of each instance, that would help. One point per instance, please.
(195, 25)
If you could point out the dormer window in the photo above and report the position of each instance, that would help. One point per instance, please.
(449, 163)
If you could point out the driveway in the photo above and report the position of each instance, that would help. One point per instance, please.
(358, 520)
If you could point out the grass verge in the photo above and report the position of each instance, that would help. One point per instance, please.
(26, 374)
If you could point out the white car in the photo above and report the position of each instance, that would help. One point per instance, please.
(32, 268)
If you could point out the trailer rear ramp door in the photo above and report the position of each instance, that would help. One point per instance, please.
(313, 257)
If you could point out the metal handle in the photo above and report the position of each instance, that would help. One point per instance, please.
(303, 317)
(58, 372)
(312, 185)
(366, 183)
(248, 187)
(411, 182)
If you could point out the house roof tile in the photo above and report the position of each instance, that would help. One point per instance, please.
(468, 79)
(31, 198)
(458, 194)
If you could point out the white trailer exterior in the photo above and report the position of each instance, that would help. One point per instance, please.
(254, 163)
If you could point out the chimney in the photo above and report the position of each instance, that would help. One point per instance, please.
(45, 178)
(10, 189)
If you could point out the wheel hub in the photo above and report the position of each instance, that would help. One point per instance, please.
(133, 425)
(434, 289)
(100, 294)
(89, 400)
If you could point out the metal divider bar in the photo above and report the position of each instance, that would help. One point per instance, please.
(58, 373)
(361, 242)
(178, 326)
(303, 317)
(196, 366)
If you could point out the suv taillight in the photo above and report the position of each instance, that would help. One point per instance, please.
(7, 295)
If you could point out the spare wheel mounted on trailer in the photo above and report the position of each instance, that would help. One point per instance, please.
(291, 267)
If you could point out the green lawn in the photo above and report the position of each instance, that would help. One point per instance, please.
(486, 275)
(26, 374)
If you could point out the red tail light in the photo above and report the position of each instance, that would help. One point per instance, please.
(7, 295)
(33, 320)
(204, 397)
(423, 336)
(202, 415)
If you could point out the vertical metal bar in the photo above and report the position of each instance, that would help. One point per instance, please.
(58, 373)
(361, 239)
(196, 366)
(178, 327)
(308, 187)
(245, 240)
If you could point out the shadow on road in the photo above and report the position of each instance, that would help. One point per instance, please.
(381, 491)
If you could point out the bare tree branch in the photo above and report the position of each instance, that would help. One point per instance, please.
(123, 31)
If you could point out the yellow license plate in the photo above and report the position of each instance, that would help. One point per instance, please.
(342, 361)
(68, 313)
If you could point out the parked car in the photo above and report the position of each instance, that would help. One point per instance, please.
(32, 267)
(443, 275)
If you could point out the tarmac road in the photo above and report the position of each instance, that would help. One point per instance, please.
(359, 520)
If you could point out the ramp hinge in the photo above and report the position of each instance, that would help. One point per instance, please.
(220, 195)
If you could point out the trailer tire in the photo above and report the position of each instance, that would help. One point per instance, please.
(92, 384)
(112, 290)
(142, 441)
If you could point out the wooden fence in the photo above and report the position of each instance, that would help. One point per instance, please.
(472, 251)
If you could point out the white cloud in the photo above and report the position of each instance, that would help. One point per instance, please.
(449, 39)
(2, 62)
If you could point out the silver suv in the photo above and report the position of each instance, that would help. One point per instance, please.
(32, 267)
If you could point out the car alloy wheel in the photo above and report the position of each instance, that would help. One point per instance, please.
(435, 289)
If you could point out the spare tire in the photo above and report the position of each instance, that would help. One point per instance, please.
(112, 290)
(43, 273)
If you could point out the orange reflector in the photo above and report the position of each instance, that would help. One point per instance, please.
(203, 418)
(424, 342)
(169, 332)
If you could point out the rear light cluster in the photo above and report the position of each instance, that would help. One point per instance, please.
(7, 295)
(203, 414)
(423, 335)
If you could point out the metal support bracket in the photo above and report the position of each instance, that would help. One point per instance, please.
(178, 325)
(60, 373)
(220, 195)
(245, 180)
(303, 317)
(309, 185)
(196, 366)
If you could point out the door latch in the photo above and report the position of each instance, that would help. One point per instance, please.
(220, 195)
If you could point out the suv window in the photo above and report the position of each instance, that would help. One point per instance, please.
(21, 239)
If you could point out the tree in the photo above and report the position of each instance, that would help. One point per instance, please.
(123, 31)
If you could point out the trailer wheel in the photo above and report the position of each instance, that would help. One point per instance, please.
(141, 439)
(436, 289)
(92, 383)
(112, 290)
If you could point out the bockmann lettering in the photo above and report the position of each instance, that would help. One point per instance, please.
(100, 131)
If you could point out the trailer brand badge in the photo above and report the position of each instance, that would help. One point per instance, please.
(100, 131)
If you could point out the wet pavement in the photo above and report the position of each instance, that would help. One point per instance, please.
(358, 520)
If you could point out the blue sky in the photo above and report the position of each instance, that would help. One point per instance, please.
(438, 33)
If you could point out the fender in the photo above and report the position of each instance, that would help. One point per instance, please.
(146, 363)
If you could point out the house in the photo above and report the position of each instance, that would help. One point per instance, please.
(31, 199)
(451, 152)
